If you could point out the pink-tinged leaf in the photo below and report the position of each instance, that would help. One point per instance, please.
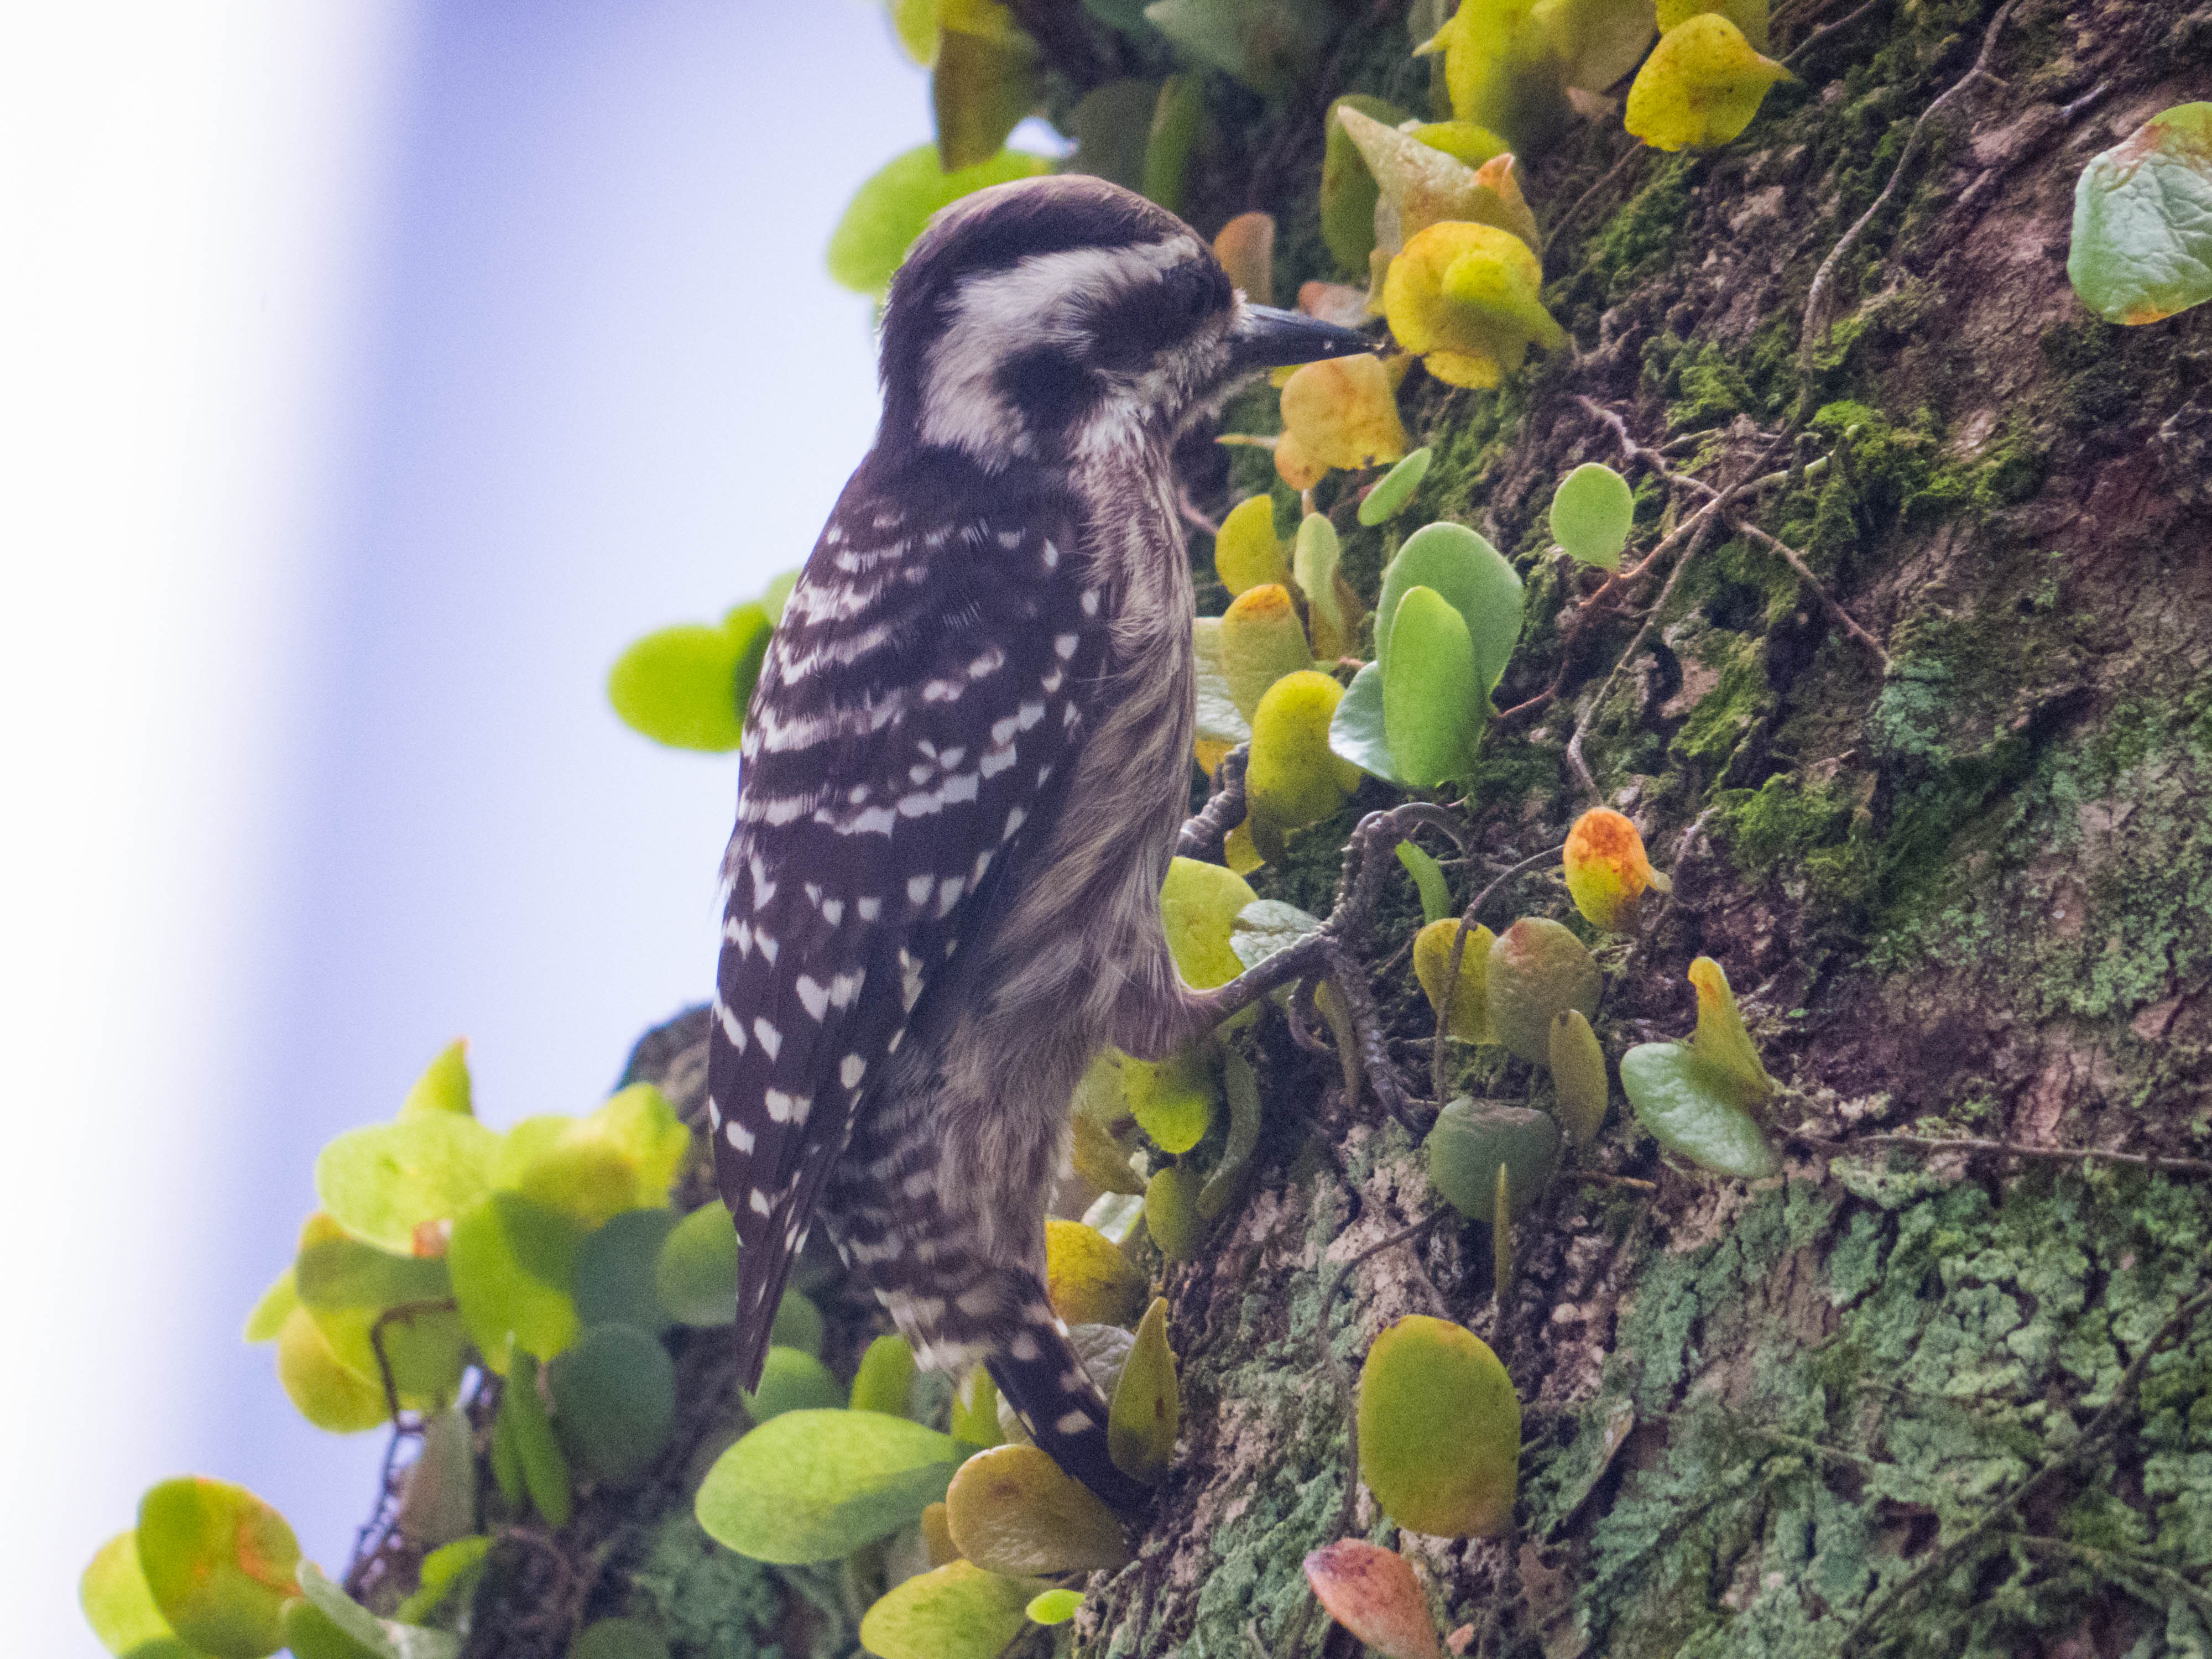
(1372, 1593)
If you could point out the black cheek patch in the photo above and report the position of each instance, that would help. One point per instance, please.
(1049, 388)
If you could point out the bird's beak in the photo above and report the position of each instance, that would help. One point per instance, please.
(1268, 339)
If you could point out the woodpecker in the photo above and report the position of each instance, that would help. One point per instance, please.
(964, 766)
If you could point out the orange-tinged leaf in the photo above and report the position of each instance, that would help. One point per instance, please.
(220, 1562)
(1721, 1041)
(1295, 466)
(1607, 873)
(1423, 184)
(1700, 87)
(1372, 1593)
(1246, 248)
(1342, 412)
(1537, 969)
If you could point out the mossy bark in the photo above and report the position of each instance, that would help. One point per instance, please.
(1974, 888)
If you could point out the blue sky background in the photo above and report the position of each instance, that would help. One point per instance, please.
(512, 341)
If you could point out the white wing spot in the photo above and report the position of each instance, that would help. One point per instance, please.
(770, 1038)
(1063, 645)
(854, 1069)
(740, 1136)
(996, 761)
(1024, 1347)
(1014, 821)
(759, 1204)
(833, 911)
(730, 1029)
(948, 895)
(1073, 1422)
(768, 947)
(1031, 712)
(845, 988)
(868, 908)
(917, 889)
(783, 1108)
(982, 863)
(1090, 601)
(1009, 539)
(953, 758)
(814, 999)
(1051, 556)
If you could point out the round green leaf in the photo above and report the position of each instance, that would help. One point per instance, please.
(678, 686)
(444, 1571)
(812, 1485)
(1591, 511)
(1468, 1143)
(1538, 968)
(389, 1182)
(1431, 706)
(792, 1381)
(1356, 731)
(220, 1564)
(276, 1306)
(1054, 1607)
(957, 1611)
(890, 210)
(1439, 1429)
(696, 1276)
(884, 1381)
(2143, 221)
(513, 1262)
(614, 1401)
(1472, 577)
(1172, 1100)
(1171, 1212)
(119, 1606)
(617, 1271)
(1687, 1106)
(1388, 498)
(1577, 1075)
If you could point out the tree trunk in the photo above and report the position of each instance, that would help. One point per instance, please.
(1964, 895)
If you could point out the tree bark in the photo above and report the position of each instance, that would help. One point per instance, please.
(1939, 811)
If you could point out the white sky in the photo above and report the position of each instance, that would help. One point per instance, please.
(373, 373)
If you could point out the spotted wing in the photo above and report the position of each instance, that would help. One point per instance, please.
(920, 702)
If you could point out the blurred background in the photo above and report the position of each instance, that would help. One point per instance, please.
(373, 372)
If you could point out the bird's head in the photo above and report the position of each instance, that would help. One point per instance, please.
(1050, 318)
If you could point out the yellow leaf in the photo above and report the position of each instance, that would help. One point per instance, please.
(1597, 41)
(1721, 1041)
(1247, 553)
(1433, 947)
(1749, 16)
(1011, 1510)
(1293, 779)
(1087, 1279)
(1504, 72)
(1341, 412)
(1295, 466)
(1465, 297)
(1700, 87)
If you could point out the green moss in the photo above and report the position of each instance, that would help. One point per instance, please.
(1640, 239)
(712, 1603)
(1952, 1323)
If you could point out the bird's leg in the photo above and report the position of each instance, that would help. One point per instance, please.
(1205, 830)
(1332, 949)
